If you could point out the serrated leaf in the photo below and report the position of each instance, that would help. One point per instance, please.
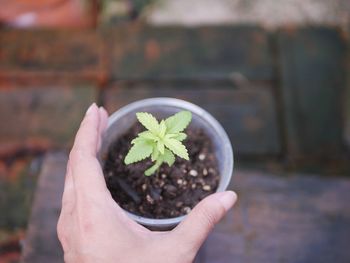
(162, 129)
(177, 136)
(148, 121)
(160, 146)
(161, 141)
(169, 157)
(139, 151)
(138, 140)
(155, 154)
(181, 136)
(178, 122)
(177, 148)
(148, 135)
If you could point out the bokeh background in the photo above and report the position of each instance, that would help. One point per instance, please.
(274, 73)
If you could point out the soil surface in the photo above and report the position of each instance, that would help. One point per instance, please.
(170, 192)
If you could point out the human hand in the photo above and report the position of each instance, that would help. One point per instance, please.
(93, 228)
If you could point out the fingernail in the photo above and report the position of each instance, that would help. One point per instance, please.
(227, 199)
(102, 109)
(90, 108)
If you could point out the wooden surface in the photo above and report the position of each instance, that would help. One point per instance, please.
(295, 78)
(141, 52)
(248, 113)
(294, 218)
(72, 54)
(41, 243)
(313, 67)
(41, 116)
(289, 218)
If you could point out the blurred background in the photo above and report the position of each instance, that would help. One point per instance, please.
(274, 73)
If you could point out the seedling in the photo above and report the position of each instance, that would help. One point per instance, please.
(162, 141)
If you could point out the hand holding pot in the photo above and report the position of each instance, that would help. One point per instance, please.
(93, 228)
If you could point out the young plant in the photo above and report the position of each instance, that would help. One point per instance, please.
(162, 141)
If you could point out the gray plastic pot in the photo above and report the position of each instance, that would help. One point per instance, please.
(122, 120)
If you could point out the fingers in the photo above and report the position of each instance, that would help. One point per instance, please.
(86, 170)
(88, 133)
(84, 177)
(197, 225)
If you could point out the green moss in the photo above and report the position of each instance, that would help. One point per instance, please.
(16, 197)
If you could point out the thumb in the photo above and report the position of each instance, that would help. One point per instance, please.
(195, 228)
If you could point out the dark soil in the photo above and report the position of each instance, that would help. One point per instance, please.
(170, 192)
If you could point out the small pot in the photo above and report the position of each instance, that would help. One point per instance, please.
(123, 119)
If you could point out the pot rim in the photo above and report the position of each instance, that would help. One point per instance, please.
(201, 113)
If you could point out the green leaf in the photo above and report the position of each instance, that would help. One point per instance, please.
(160, 146)
(176, 147)
(162, 129)
(139, 151)
(148, 135)
(138, 140)
(181, 136)
(177, 136)
(155, 154)
(149, 121)
(169, 157)
(161, 141)
(154, 167)
(178, 122)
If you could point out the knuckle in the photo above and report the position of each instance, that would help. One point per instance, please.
(68, 206)
(60, 228)
(62, 232)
